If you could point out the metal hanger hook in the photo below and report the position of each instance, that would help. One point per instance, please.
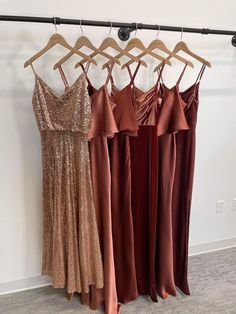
(182, 32)
(158, 30)
(81, 28)
(55, 23)
(110, 28)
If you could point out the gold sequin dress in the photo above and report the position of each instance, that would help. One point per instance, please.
(71, 249)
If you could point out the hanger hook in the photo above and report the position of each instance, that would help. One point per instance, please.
(158, 30)
(81, 28)
(182, 32)
(110, 28)
(55, 23)
(136, 29)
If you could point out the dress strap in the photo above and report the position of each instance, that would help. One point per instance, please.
(129, 71)
(135, 72)
(200, 73)
(32, 67)
(109, 76)
(181, 75)
(85, 70)
(63, 76)
(160, 74)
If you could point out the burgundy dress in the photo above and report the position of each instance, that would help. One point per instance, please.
(183, 182)
(122, 220)
(103, 126)
(144, 187)
(171, 120)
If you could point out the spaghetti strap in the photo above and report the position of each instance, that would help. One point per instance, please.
(85, 70)
(160, 74)
(181, 75)
(200, 73)
(135, 72)
(32, 67)
(129, 71)
(109, 77)
(63, 76)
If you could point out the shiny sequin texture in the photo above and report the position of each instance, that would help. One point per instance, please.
(71, 249)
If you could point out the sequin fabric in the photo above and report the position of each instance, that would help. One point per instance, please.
(71, 249)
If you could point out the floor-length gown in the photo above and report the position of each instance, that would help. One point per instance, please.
(171, 120)
(144, 149)
(71, 249)
(183, 182)
(122, 219)
(103, 126)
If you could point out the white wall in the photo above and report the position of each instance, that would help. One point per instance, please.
(20, 160)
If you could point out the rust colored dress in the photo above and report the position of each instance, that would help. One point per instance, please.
(122, 220)
(103, 126)
(71, 249)
(171, 120)
(183, 182)
(144, 153)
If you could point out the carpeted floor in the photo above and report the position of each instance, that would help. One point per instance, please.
(212, 278)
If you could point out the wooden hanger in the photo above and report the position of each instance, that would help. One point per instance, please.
(137, 43)
(159, 44)
(60, 40)
(110, 42)
(122, 52)
(182, 46)
(83, 41)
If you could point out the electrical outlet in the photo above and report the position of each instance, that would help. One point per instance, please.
(234, 204)
(220, 207)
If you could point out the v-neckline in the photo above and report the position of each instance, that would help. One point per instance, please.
(55, 93)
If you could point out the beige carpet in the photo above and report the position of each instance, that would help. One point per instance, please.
(212, 278)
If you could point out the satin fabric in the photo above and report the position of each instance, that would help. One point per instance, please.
(183, 183)
(122, 220)
(103, 126)
(144, 195)
(171, 120)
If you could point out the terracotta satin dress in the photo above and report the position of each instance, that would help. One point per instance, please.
(144, 154)
(171, 120)
(183, 182)
(122, 220)
(102, 128)
(71, 249)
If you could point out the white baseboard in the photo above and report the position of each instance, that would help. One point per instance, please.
(211, 246)
(42, 281)
(24, 284)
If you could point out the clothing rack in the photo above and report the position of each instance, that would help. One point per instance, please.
(124, 28)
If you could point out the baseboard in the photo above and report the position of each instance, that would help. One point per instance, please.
(24, 284)
(42, 281)
(211, 246)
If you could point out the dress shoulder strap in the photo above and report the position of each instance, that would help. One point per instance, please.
(109, 75)
(85, 70)
(132, 77)
(32, 67)
(159, 78)
(129, 71)
(200, 74)
(63, 76)
(135, 73)
(182, 73)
